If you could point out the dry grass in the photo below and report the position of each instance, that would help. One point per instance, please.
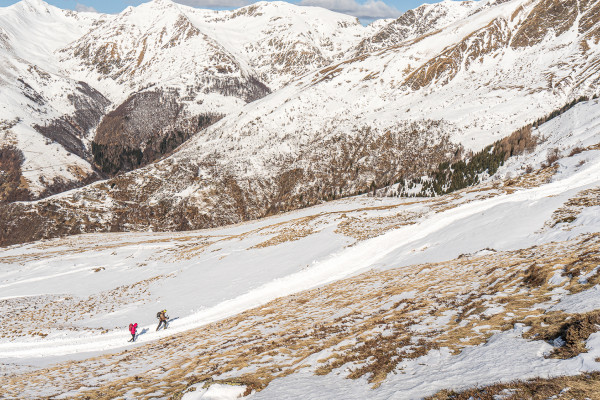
(535, 276)
(572, 329)
(533, 179)
(289, 231)
(576, 150)
(584, 386)
(365, 227)
(574, 206)
(42, 314)
(367, 324)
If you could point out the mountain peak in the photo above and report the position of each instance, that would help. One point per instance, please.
(34, 5)
(152, 9)
(38, 3)
(152, 5)
(161, 3)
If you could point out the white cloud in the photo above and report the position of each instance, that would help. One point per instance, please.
(214, 3)
(83, 7)
(370, 9)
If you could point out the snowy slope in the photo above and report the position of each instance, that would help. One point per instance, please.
(36, 91)
(467, 74)
(421, 21)
(279, 40)
(231, 292)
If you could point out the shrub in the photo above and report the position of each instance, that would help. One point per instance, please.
(552, 156)
(575, 151)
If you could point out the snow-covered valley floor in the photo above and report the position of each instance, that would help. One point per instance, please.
(405, 296)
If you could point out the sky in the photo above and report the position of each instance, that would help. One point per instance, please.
(365, 10)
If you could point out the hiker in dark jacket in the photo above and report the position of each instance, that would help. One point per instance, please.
(163, 318)
(132, 329)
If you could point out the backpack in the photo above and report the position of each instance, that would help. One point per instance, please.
(130, 326)
(158, 314)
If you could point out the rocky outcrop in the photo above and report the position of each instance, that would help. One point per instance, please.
(547, 16)
(413, 24)
(474, 47)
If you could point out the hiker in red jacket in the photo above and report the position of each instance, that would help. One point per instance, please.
(132, 329)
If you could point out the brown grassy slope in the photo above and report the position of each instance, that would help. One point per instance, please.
(580, 387)
(338, 324)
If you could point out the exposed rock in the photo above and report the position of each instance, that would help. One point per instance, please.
(590, 20)
(547, 16)
(473, 48)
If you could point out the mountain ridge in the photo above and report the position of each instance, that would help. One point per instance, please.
(346, 128)
(221, 89)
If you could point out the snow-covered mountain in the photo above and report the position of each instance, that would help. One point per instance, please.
(46, 118)
(490, 291)
(281, 41)
(361, 122)
(162, 43)
(421, 21)
(119, 91)
(156, 44)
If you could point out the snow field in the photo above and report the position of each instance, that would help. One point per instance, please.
(215, 392)
(207, 278)
(223, 288)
